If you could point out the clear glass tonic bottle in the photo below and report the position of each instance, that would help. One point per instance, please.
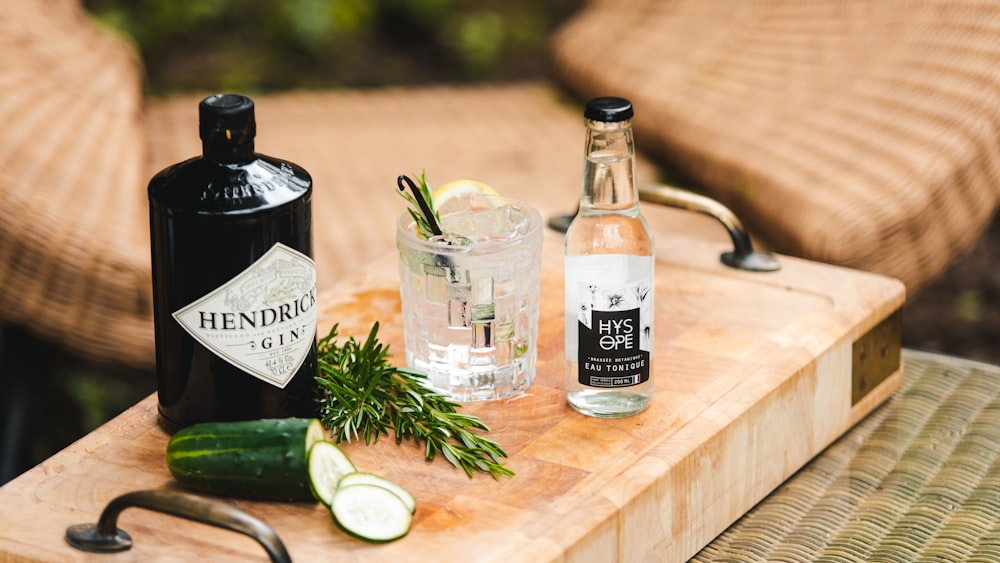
(609, 274)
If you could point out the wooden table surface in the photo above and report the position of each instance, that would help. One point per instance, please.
(753, 379)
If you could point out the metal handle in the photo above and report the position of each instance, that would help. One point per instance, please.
(106, 537)
(743, 256)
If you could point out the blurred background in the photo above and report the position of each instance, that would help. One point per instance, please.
(265, 45)
(257, 46)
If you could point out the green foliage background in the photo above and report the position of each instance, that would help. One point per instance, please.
(263, 45)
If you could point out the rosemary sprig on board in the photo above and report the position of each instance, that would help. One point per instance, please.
(364, 396)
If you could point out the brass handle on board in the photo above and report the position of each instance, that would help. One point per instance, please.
(742, 257)
(106, 537)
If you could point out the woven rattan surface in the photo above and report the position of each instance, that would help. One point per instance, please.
(857, 132)
(74, 259)
(918, 480)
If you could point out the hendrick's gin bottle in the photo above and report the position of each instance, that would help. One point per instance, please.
(234, 283)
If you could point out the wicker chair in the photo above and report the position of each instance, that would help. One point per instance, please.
(873, 125)
(72, 257)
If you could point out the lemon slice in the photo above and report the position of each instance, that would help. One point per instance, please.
(463, 194)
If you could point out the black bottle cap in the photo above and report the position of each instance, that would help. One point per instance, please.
(608, 109)
(226, 117)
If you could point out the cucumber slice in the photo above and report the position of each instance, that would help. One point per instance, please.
(314, 433)
(328, 464)
(360, 477)
(371, 512)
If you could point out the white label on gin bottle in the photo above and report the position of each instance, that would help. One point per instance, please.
(609, 318)
(263, 320)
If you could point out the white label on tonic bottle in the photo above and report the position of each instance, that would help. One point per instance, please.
(262, 321)
(611, 338)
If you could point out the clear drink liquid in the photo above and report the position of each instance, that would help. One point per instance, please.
(470, 301)
(608, 244)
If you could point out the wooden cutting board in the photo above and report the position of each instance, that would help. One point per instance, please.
(755, 374)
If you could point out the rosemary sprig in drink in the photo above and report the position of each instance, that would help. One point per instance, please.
(421, 205)
(364, 396)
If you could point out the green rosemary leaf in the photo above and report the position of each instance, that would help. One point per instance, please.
(363, 397)
(451, 455)
(424, 229)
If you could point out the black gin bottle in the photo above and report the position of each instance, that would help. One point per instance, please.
(234, 284)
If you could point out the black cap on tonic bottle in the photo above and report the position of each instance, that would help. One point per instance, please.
(608, 109)
(226, 118)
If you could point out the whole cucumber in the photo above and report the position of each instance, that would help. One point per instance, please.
(258, 459)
